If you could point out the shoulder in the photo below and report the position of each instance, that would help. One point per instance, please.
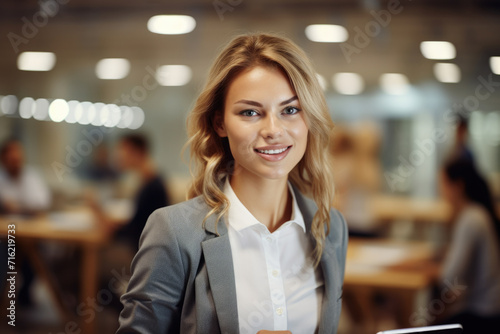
(155, 183)
(183, 221)
(30, 172)
(474, 219)
(338, 227)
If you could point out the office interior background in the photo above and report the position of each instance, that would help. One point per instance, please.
(75, 76)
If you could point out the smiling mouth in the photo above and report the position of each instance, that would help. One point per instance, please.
(273, 152)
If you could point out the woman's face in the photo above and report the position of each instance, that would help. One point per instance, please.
(264, 123)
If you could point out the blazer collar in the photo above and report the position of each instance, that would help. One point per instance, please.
(328, 265)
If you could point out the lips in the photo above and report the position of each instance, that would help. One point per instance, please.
(273, 153)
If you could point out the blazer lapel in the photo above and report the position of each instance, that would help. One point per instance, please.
(219, 262)
(329, 267)
(332, 282)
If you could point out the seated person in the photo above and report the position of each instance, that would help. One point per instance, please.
(473, 259)
(133, 155)
(22, 190)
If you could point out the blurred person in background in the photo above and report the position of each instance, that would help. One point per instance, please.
(461, 151)
(473, 257)
(101, 168)
(358, 175)
(133, 154)
(22, 191)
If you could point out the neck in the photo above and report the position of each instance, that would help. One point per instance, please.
(268, 200)
(146, 170)
(459, 205)
(15, 174)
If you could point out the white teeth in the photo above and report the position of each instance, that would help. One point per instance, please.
(273, 151)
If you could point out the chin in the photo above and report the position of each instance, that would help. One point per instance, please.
(273, 174)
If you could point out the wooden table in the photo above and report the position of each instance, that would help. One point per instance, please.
(387, 208)
(399, 268)
(77, 227)
(394, 208)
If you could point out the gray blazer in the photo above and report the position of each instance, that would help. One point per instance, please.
(183, 279)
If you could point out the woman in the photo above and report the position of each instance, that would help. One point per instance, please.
(248, 252)
(472, 264)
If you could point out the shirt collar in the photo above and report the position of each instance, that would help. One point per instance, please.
(240, 218)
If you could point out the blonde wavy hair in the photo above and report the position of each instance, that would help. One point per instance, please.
(211, 159)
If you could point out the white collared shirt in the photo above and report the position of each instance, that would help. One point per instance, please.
(277, 287)
(29, 192)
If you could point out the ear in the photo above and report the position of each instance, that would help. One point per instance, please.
(219, 125)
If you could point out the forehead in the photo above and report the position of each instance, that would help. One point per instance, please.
(261, 84)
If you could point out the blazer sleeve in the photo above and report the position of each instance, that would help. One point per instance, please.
(153, 301)
(343, 237)
(345, 241)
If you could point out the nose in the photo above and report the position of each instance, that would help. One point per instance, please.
(272, 127)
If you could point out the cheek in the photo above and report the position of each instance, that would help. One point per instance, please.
(241, 140)
(121, 157)
(299, 132)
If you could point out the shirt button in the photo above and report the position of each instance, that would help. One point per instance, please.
(275, 273)
(269, 239)
(279, 311)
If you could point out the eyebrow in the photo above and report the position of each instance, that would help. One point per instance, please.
(257, 104)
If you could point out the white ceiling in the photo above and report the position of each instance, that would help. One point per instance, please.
(82, 32)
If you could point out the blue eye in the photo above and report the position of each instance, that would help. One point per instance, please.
(291, 110)
(248, 113)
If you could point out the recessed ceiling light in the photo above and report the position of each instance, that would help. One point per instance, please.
(127, 116)
(438, 50)
(41, 110)
(495, 64)
(348, 83)
(327, 33)
(112, 68)
(394, 83)
(58, 110)
(171, 24)
(173, 75)
(8, 104)
(448, 73)
(27, 107)
(36, 61)
(84, 112)
(97, 120)
(114, 115)
(70, 117)
(137, 118)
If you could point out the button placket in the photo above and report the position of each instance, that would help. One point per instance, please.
(276, 287)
